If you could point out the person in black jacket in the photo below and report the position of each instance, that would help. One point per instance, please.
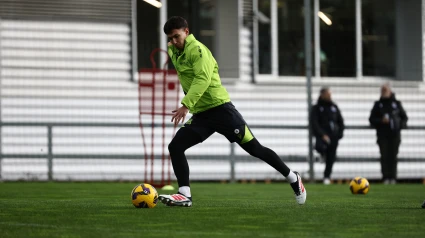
(388, 118)
(328, 128)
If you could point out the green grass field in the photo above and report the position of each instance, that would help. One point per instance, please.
(220, 210)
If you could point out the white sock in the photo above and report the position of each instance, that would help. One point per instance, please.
(292, 177)
(185, 190)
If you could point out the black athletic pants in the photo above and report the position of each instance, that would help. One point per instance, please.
(186, 138)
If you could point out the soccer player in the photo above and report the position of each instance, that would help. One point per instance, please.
(208, 101)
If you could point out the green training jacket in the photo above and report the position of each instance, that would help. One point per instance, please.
(198, 74)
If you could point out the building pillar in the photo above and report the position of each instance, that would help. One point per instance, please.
(163, 17)
(423, 40)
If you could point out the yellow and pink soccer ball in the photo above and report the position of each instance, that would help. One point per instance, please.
(144, 196)
(359, 185)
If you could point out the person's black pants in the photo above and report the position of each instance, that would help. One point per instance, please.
(330, 156)
(388, 147)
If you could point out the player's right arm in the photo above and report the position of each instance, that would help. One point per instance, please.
(179, 114)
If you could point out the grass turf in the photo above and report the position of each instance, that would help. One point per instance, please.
(220, 210)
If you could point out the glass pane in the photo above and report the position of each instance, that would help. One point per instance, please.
(207, 31)
(200, 15)
(264, 39)
(337, 38)
(148, 34)
(179, 8)
(291, 37)
(378, 29)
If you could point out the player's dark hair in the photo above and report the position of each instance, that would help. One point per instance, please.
(175, 22)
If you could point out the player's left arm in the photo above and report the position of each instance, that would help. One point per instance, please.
(340, 124)
(203, 67)
(403, 116)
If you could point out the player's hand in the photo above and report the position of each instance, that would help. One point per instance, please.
(179, 115)
(169, 43)
(326, 138)
(385, 120)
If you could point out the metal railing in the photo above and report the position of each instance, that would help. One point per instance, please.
(232, 157)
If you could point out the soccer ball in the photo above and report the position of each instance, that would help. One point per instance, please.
(359, 185)
(144, 196)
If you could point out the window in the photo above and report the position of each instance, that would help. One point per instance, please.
(180, 8)
(207, 31)
(264, 38)
(378, 24)
(337, 39)
(291, 37)
(200, 15)
(148, 35)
